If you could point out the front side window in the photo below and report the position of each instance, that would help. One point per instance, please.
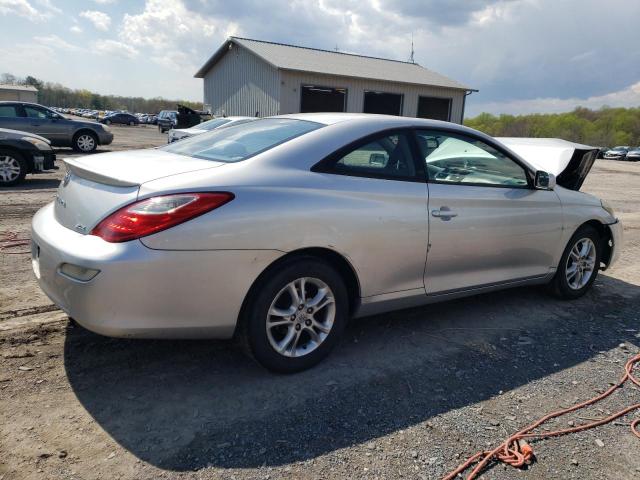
(40, 113)
(451, 158)
(387, 156)
(239, 142)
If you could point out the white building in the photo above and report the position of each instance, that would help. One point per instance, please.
(19, 93)
(252, 77)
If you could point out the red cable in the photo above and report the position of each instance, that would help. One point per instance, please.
(10, 240)
(516, 452)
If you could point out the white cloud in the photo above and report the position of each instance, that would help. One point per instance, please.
(115, 48)
(104, 2)
(175, 34)
(22, 8)
(54, 41)
(100, 20)
(627, 97)
(76, 29)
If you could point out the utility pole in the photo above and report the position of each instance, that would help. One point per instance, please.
(411, 57)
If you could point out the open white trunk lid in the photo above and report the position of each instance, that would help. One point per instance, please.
(570, 162)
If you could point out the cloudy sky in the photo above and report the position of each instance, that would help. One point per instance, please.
(523, 55)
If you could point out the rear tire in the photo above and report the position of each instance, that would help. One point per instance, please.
(85, 142)
(579, 264)
(13, 168)
(314, 322)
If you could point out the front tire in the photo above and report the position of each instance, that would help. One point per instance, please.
(13, 168)
(579, 264)
(85, 142)
(295, 316)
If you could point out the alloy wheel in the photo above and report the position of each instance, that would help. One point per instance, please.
(9, 168)
(300, 317)
(86, 143)
(581, 263)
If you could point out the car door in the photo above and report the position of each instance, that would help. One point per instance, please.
(10, 114)
(378, 216)
(487, 224)
(46, 123)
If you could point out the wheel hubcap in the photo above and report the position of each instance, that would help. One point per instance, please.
(300, 317)
(86, 142)
(581, 263)
(9, 168)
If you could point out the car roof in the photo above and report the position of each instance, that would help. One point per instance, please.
(384, 121)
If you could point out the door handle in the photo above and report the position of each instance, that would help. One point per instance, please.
(444, 213)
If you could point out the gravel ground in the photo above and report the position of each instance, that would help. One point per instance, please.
(407, 395)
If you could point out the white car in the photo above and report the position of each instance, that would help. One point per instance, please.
(180, 133)
(277, 231)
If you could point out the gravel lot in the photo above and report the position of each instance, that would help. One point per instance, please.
(407, 395)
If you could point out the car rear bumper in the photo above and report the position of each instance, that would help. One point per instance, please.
(141, 292)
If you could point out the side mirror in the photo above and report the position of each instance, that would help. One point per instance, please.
(377, 159)
(545, 181)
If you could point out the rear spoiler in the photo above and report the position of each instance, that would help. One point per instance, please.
(570, 162)
(83, 172)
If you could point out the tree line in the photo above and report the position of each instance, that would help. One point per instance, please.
(57, 95)
(605, 127)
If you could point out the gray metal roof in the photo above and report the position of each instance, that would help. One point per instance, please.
(303, 59)
(27, 88)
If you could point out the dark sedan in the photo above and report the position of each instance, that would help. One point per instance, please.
(121, 118)
(22, 153)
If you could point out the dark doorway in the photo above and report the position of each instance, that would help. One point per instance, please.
(322, 99)
(435, 108)
(385, 103)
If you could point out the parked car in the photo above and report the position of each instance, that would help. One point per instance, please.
(83, 136)
(279, 230)
(616, 153)
(167, 119)
(180, 133)
(633, 155)
(22, 153)
(121, 118)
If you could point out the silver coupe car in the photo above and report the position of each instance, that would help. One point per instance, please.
(279, 230)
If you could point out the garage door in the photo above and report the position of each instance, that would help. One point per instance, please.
(384, 103)
(322, 99)
(435, 108)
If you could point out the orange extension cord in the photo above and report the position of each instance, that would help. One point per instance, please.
(515, 451)
(10, 240)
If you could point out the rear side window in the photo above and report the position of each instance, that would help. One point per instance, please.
(8, 111)
(239, 142)
(387, 156)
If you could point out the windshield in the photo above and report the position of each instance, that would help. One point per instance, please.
(239, 142)
(211, 124)
(620, 148)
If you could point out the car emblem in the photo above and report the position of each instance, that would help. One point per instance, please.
(67, 177)
(81, 228)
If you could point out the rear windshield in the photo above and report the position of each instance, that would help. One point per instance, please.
(239, 142)
(211, 124)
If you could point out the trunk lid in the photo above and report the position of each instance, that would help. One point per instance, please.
(570, 162)
(97, 185)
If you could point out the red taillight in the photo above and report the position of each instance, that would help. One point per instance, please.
(156, 214)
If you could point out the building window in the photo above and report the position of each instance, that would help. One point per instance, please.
(384, 103)
(436, 108)
(322, 99)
